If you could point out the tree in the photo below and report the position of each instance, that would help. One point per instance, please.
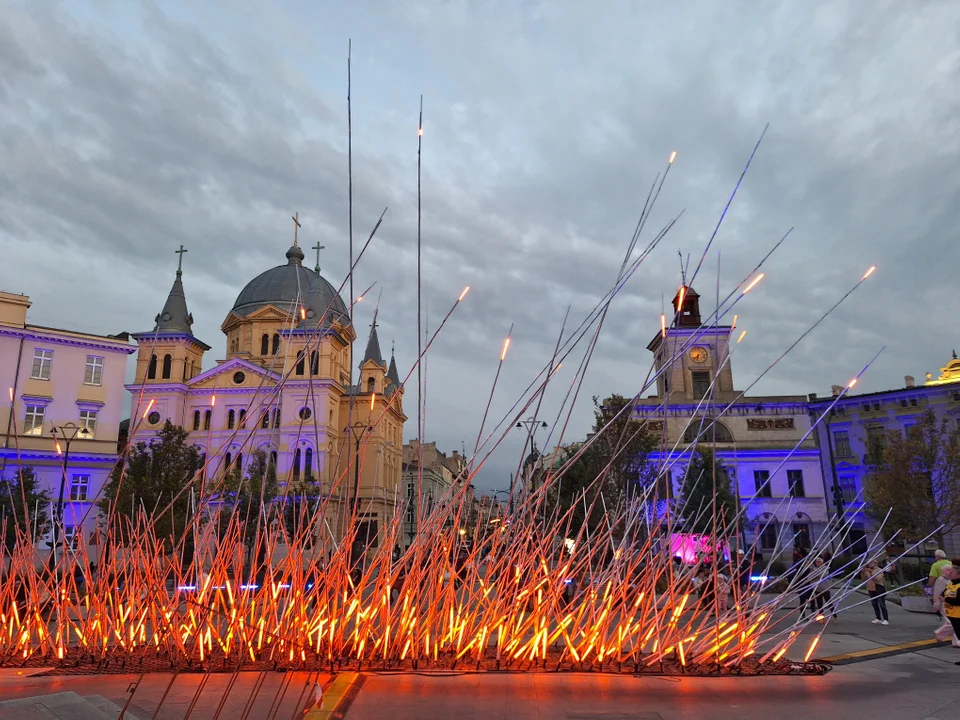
(249, 498)
(156, 474)
(23, 507)
(705, 506)
(918, 480)
(614, 464)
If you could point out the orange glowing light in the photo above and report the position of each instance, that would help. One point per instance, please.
(735, 318)
(59, 451)
(373, 401)
(680, 296)
(503, 353)
(359, 298)
(149, 407)
(419, 132)
(213, 400)
(464, 293)
(673, 156)
(303, 313)
(753, 283)
(852, 383)
(663, 325)
(742, 334)
(868, 273)
(11, 394)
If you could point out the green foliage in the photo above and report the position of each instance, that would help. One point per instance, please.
(154, 475)
(614, 463)
(706, 496)
(918, 481)
(23, 506)
(299, 510)
(247, 497)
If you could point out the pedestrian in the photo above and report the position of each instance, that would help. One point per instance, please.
(877, 589)
(821, 589)
(945, 631)
(939, 563)
(951, 605)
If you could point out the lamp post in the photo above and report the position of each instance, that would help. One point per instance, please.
(357, 429)
(532, 425)
(68, 432)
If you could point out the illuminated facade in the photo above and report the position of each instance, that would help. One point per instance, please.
(70, 381)
(853, 436)
(760, 440)
(283, 388)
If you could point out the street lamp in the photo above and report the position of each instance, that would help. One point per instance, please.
(358, 429)
(68, 433)
(532, 425)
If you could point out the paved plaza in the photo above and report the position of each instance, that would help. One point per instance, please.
(876, 677)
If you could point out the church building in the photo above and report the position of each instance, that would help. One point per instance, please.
(763, 442)
(283, 387)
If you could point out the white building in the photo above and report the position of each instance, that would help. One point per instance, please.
(760, 440)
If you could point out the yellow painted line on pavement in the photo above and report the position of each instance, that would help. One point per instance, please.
(872, 653)
(337, 698)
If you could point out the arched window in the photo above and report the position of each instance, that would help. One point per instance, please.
(264, 344)
(300, 363)
(206, 419)
(196, 419)
(240, 462)
(276, 417)
(227, 461)
(243, 418)
(296, 465)
(167, 366)
(265, 420)
(152, 369)
(705, 431)
(273, 459)
(276, 344)
(308, 464)
(231, 419)
(371, 384)
(314, 363)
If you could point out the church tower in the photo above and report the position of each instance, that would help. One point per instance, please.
(688, 354)
(170, 353)
(169, 356)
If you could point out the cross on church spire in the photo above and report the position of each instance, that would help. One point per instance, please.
(180, 252)
(318, 247)
(296, 227)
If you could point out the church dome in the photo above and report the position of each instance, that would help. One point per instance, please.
(282, 285)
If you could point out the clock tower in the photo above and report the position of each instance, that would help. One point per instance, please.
(689, 354)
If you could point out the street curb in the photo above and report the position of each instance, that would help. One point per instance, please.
(884, 651)
(338, 697)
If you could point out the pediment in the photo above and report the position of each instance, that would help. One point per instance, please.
(224, 376)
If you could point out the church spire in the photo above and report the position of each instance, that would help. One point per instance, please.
(175, 317)
(373, 346)
(392, 373)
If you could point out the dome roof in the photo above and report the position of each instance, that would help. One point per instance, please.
(281, 286)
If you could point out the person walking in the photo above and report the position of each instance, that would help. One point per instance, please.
(951, 605)
(877, 589)
(945, 631)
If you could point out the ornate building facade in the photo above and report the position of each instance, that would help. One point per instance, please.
(853, 432)
(66, 400)
(764, 442)
(283, 388)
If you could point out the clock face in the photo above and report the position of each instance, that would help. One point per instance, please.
(698, 354)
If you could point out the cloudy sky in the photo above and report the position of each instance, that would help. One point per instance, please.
(127, 129)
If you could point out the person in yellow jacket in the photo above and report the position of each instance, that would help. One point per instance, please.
(951, 605)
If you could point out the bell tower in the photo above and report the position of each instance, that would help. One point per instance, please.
(170, 353)
(690, 354)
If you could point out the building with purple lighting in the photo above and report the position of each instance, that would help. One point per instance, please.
(766, 443)
(853, 434)
(61, 411)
